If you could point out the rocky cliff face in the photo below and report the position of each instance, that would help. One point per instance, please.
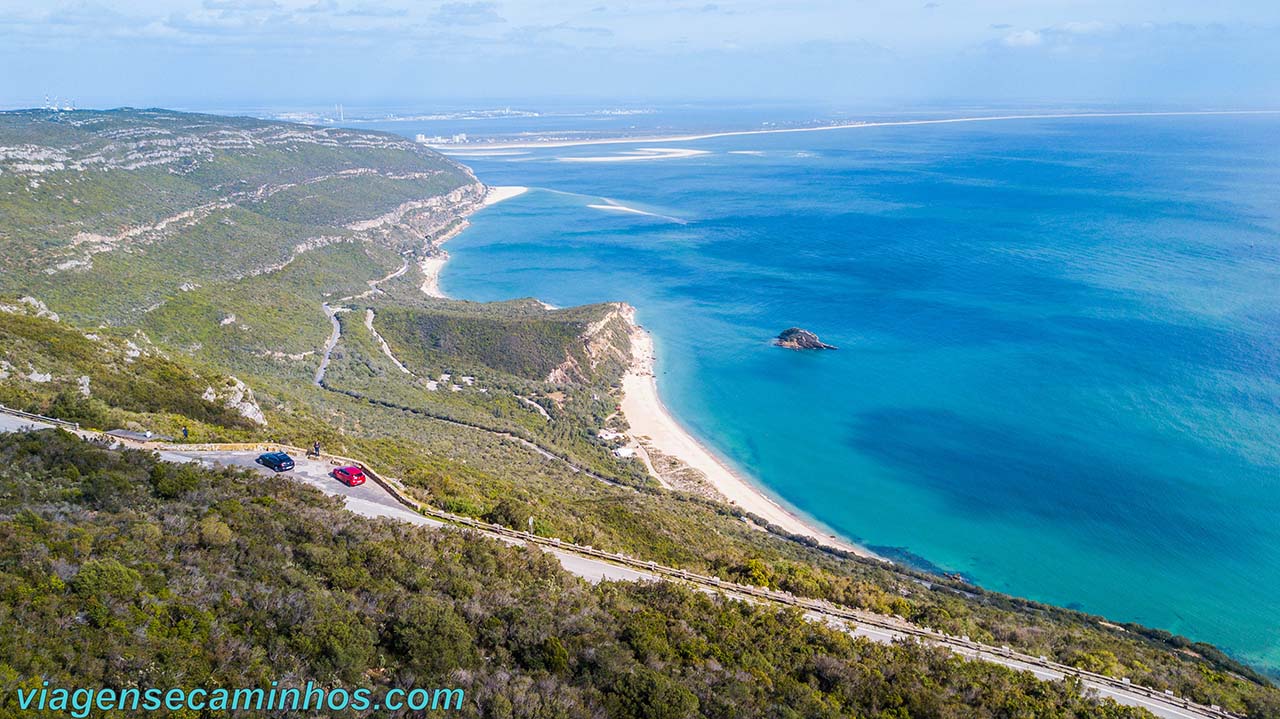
(800, 339)
(604, 343)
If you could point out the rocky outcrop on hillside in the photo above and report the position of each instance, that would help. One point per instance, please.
(427, 223)
(235, 395)
(29, 306)
(604, 342)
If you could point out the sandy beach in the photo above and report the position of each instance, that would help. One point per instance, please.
(505, 192)
(650, 420)
(431, 266)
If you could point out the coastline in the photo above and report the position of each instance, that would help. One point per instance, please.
(652, 425)
(640, 140)
(431, 266)
(649, 418)
(502, 192)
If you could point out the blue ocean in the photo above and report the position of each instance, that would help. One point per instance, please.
(1059, 340)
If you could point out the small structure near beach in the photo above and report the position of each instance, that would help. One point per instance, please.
(799, 339)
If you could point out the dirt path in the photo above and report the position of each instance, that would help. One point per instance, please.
(331, 311)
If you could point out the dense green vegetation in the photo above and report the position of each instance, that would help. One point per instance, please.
(560, 416)
(276, 315)
(105, 382)
(349, 198)
(117, 570)
(114, 213)
(527, 347)
(210, 257)
(156, 322)
(103, 171)
(475, 474)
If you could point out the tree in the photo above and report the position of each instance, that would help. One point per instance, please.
(646, 694)
(431, 638)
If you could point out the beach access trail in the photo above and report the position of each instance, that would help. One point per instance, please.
(384, 498)
(331, 311)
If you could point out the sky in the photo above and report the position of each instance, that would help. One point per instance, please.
(209, 53)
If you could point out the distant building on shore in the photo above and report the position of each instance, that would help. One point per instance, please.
(457, 139)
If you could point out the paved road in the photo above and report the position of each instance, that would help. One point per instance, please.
(334, 335)
(12, 423)
(1166, 709)
(367, 499)
(371, 500)
(331, 311)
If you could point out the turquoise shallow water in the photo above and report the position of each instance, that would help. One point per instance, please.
(1059, 370)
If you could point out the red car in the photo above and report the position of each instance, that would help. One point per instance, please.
(351, 476)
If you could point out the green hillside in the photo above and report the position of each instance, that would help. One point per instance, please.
(531, 348)
(109, 380)
(108, 215)
(187, 577)
(168, 270)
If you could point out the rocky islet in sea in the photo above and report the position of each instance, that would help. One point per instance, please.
(795, 338)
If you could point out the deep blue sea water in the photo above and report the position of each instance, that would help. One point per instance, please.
(1059, 364)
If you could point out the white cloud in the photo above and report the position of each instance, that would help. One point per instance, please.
(1092, 27)
(321, 6)
(731, 48)
(375, 10)
(468, 13)
(240, 5)
(1023, 38)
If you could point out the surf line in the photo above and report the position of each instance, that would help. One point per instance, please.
(610, 205)
(615, 206)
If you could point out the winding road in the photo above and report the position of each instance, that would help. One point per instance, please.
(331, 311)
(382, 498)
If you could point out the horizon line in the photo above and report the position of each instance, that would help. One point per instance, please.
(527, 144)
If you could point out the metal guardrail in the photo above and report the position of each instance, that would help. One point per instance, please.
(396, 489)
(39, 417)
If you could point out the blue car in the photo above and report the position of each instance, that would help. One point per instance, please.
(276, 461)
